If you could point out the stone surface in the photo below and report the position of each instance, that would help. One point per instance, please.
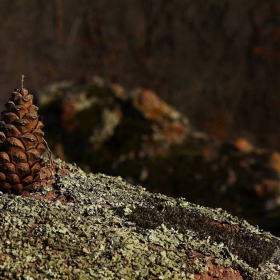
(107, 228)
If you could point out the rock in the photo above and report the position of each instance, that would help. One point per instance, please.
(106, 228)
(94, 112)
(134, 134)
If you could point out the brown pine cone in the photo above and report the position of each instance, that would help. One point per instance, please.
(21, 143)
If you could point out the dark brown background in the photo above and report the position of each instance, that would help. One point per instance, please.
(217, 61)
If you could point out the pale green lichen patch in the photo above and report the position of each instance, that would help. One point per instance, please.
(105, 231)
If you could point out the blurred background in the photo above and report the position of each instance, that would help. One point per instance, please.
(216, 61)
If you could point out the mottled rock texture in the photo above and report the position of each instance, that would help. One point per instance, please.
(105, 128)
(95, 226)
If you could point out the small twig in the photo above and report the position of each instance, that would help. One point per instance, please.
(49, 154)
(22, 80)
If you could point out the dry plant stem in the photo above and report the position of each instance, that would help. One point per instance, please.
(49, 155)
(22, 80)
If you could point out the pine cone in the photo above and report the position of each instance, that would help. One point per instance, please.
(21, 143)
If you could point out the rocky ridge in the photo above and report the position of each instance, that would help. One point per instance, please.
(94, 226)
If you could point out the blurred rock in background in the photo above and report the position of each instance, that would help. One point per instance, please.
(135, 134)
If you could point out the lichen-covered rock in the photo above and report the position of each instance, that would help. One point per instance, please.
(98, 110)
(101, 227)
(105, 128)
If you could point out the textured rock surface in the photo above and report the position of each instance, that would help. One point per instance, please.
(98, 227)
(141, 138)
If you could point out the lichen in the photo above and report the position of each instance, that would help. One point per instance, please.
(95, 235)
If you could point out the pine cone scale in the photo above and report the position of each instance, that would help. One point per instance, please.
(27, 180)
(4, 157)
(13, 178)
(19, 110)
(9, 117)
(22, 169)
(11, 131)
(29, 140)
(8, 167)
(18, 156)
(2, 177)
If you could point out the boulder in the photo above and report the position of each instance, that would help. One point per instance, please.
(94, 226)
